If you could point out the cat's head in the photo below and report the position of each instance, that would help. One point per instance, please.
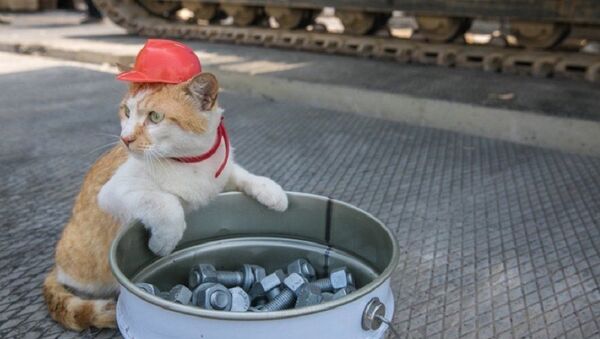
(170, 120)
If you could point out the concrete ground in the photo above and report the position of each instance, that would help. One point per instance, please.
(498, 240)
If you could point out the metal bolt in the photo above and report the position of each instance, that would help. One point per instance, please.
(200, 274)
(220, 300)
(302, 267)
(240, 301)
(148, 288)
(323, 284)
(271, 281)
(248, 275)
(212, 296)
(294, 283)
(338, 278)
(180, 294)
(283, 301)
(275, 291)
(258, 303)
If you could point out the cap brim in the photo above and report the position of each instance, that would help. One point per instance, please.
(137, 76)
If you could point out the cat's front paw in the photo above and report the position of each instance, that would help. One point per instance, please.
(161, 247)
(269, 193)
(164, 240)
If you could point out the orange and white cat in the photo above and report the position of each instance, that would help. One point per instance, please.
(139, 179)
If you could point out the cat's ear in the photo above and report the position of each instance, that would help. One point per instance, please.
(204, 88)
(123, 68)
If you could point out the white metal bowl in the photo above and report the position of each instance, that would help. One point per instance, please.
(235, 229)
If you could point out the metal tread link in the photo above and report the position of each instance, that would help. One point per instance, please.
(129, 15)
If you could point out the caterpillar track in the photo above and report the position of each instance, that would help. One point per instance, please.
(539, 63)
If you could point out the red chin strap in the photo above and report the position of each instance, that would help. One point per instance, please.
(221, 135)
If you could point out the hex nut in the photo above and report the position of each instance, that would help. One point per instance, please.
(180, 294)
(327, 296)
(294, 282)
(269, 282)
(148, 288)
(302, 267)
(252, 274)
(240, 300)
(343, 292)
(212, 296)
(200, 274)
(340, 278)
(258, 272)
(309, 295)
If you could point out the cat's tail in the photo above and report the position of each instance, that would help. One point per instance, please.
(76, 313)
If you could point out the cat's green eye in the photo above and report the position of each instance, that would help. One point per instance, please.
(126, 111)
(156, 117)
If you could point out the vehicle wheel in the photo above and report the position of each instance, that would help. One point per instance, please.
(539, 34)
(442, 29)
(161, 8)
(290, 18)
(243, 15)
(361, 23)
(208, 12)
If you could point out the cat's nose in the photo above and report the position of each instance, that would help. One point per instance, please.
(127, 140)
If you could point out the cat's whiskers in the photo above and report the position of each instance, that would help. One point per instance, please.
(157, 165)
(107, 135)
(101, 147)
(161, 161)
(155, 162)
(149, 160)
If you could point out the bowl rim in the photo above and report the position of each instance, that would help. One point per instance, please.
(221, 315)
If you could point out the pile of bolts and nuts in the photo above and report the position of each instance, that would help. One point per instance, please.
(251, 289)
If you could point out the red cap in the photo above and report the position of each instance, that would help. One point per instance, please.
(163, 61)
